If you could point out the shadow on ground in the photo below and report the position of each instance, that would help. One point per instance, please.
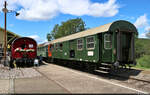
(121, 74)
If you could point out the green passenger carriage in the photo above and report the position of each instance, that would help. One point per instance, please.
(42, 50)
(112, 44)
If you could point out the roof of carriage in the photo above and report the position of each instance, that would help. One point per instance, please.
(119, 25)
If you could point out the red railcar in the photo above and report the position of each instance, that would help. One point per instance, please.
(24, 51)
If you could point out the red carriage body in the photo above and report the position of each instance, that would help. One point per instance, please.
(24, 49)
(50, 50)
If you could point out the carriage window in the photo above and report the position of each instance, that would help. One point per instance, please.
(56, 47)
(60, 46)
(79, 44)
(107, 41)
(47, 48)
(90, 43)
(0, 45)
(51, 47)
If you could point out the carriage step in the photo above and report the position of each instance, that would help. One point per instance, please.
(105, 65)
(104, 69)
(100, 71)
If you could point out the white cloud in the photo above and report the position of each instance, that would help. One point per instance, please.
(143, 35)
(74, 7)
(37, 38)
(147, 28)
(107, 9)
(38, 10)
(48, 9)
(142, 21)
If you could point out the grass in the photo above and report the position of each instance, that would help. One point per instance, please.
(142, 47)
(143, 62)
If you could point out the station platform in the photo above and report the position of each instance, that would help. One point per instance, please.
(54, 79)
(37, 85)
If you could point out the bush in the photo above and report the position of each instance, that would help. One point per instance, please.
(142, 47)
(144, 61)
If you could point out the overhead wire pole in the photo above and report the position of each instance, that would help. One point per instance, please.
(5, 10)
(5, 33)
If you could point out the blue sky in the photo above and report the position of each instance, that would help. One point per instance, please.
(38, 17)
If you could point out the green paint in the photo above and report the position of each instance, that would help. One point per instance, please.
(101, 52)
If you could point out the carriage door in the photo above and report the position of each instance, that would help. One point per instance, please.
(124, 45)
(72, 48)
(107, 47)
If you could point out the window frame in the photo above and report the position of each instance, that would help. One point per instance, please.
(1, 45)
(60, 48)
(51, 47)
(80, 44)
(56, 47)
(90, 43)
(46, 48)
(110, 41)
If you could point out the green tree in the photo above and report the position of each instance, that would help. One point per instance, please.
(71, 26)
(142, 47)
(49, 37)
(54, 32)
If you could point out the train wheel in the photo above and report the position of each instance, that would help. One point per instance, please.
(89, 68)
(51, 60)
(82, 66)
(69, 64)
(92, 67)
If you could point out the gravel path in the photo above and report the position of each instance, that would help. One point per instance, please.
(5, 73)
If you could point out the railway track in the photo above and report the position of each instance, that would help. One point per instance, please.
(131, 78)
(136, 83)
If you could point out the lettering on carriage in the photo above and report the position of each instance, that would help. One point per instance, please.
(30, 45)
(90, 53)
